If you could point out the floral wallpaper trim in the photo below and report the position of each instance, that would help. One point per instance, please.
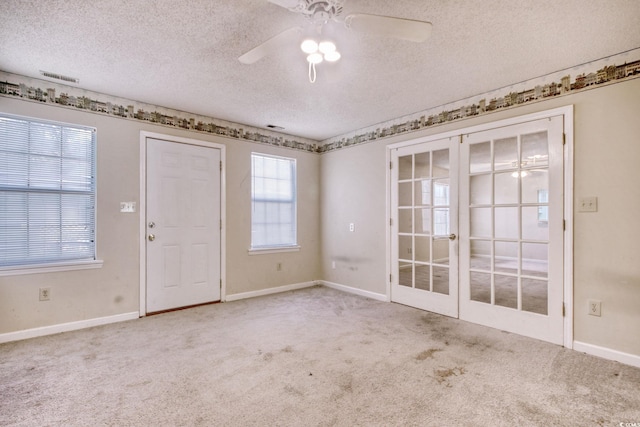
(36, 90)
(609, 70)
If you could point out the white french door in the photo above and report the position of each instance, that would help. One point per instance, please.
(424, 225)
(511, 227)
(477, 227)
(183, 233)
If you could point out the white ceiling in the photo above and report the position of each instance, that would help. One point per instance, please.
(183, 54)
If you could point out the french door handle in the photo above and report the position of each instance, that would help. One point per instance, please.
(152, 237)
(452, 236)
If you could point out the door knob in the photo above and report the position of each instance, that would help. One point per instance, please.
(152, 237)
(452, 236)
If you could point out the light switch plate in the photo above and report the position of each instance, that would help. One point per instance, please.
(588, 204)
(127, 207)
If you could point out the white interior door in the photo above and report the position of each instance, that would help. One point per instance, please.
(424, 222)
(183, 225)
(511, 229)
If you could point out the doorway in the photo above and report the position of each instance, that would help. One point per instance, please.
(477, 226)
(181, 223)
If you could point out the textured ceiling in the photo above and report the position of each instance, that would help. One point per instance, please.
(183, 54)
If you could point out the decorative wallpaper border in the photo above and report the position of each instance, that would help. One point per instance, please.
(591, 75)
(36, 90)
(587, 76)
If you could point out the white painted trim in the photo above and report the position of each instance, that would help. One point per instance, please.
(269, 291)
(356, 291)
(568, 232)
(273, 250)
(607, 353)
(50, 268)
(143, 209)
(389, 227)
(66, 327)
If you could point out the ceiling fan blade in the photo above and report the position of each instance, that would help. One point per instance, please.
(269, 46)
(399, 28)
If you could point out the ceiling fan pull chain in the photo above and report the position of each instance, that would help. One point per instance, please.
(312, 72)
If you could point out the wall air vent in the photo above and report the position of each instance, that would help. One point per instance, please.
(59, 77)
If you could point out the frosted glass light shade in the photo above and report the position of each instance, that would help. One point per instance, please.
(315, 58)
(332, 56)
(326, 47)
(309, 46)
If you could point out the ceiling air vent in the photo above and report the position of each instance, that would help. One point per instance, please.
(59, 77)
(274, 127)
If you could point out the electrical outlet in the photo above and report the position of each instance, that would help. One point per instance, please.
(594, 308)
(45, 294)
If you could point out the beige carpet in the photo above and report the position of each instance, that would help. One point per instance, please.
(314, 357)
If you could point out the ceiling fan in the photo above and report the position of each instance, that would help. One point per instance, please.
(319, 12)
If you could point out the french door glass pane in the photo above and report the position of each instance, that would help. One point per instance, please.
(423, 277)
(441, 280)
(480, 284)
(506, 257)
(423, 221)
(404, 168)
(480, 157)
(535, 295)
(505, 153)
(480, 255)
(532, 228)
(506, 290)
(422, 249)
(423, 165)
(404, 221)
(404, 194)
(535, 151)
(506, 223)
(480, 189)
(480, 222)
(441, 163)
(405, 276)
(423, 192)
(534, 185)
(535, 259)
(506, 188)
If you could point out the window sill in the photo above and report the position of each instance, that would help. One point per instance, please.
(273, 250)
(50, 268)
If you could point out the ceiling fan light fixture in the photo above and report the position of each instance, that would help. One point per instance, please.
(315, 58)
(309, 46)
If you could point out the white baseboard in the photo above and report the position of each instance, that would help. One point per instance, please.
(352, 290)
(607, 353)
(269, 291)
(66, 327)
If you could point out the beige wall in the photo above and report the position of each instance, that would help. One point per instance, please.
(343, 187)
(114, 289)
(606, 243)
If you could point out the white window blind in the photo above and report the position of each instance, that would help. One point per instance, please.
(273, 202)
(47, 192)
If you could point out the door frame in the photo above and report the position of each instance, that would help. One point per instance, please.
(567, 113)
(142, 211)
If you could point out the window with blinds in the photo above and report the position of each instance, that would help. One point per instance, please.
(273, 202)
(47, 192)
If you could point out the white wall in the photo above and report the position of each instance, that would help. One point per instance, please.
(114, 289)
(606, 243)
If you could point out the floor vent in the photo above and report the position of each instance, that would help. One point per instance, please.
(59, 77)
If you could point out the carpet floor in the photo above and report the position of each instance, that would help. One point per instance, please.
(313, 357)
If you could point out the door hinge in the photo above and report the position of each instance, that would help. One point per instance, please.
(221, 165)
(390, 165)
(220, 224)
(564, 139)
(390, 222)
(390, 278)
(564, 225)
(563, 310)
